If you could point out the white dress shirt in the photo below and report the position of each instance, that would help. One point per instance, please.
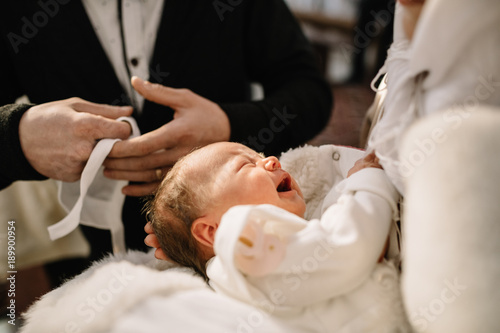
(141, 19)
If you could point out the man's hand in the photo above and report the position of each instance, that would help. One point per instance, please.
(369, 161)
(152, 241)
(197, 122)
(58, 137)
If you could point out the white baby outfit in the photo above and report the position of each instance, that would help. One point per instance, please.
(321, 274)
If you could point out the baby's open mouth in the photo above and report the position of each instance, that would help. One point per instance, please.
(285, 185)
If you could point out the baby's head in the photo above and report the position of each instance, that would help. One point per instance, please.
(188, 206)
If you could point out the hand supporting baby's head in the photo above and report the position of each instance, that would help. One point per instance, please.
(189, 204)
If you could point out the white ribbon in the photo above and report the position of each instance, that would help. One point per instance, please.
(94, 200)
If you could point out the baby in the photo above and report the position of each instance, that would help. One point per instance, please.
(236, 218)
(191, 200)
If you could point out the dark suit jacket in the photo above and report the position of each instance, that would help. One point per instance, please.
(49, 51)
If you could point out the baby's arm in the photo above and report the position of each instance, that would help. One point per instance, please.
(357, 226)
(344, 246)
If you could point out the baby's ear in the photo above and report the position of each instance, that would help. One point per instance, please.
(203, 230)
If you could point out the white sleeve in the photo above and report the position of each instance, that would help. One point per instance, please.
(299, 263)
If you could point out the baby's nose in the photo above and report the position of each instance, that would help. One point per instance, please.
(272, 163)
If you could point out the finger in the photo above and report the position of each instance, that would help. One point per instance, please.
(104, 128)
(148, 228)
(165, 138)
(140, 190)
(155, 160)
(142, 145)
(411, 2)
(134, 176)
(370, 157)
(108, 111)
(159, 254)
(152, 241)
(159, 94)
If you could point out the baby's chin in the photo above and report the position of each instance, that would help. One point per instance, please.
(298, 208)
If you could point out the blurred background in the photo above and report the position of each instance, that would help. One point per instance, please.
(351, 38)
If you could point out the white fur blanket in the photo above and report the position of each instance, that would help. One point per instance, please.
(94, 300)
(108, 295)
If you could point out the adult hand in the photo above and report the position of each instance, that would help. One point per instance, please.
(411, 14)
(197, 122)
(152, 241)
(58, 137)
(369, 161)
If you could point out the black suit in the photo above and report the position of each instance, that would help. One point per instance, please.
(214, 54)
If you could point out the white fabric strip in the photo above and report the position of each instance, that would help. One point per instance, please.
(94, 200)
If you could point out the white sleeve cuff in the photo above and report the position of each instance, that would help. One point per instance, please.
(371, 180)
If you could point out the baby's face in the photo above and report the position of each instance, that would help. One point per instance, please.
(243, 177)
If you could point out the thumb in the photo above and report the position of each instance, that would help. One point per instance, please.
(160, 94)
(107, 111)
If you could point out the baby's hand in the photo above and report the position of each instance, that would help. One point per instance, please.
(369, 161)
